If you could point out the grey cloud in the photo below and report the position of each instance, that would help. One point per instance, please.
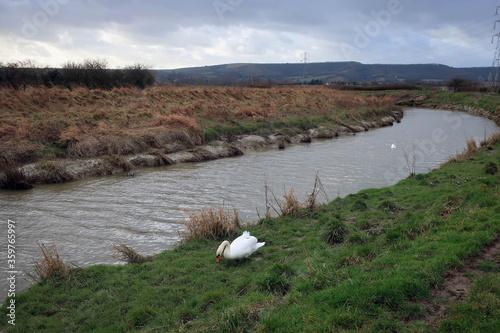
(276, 28)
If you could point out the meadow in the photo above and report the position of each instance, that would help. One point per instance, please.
(380, 260)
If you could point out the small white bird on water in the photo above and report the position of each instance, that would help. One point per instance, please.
(393, 146)
(241, 247)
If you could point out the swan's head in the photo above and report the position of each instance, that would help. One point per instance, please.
(221, 249)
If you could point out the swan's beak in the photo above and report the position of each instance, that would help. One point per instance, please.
(218, 257)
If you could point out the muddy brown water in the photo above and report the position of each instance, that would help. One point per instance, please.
(84, 219)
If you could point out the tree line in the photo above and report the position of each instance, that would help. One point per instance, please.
(92, 74)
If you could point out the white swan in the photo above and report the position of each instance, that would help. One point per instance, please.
(393, 146)
(241, 247)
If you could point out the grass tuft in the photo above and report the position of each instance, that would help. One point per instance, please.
(140, 316)
(212, 224)
(490, 168)
(292, 206)
(359, 205)
(277, 280)
(334, 231)
(129, 255)
(51, 265)
(468, 152)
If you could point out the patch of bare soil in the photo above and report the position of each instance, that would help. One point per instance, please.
(457, 286)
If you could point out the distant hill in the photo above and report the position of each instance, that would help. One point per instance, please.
(326, 71)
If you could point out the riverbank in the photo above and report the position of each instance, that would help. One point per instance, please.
(378, 260)
(58, 135)
(64, 170)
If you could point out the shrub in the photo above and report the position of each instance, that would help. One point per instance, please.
(334, 231)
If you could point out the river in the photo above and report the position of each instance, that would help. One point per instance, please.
(85, 218)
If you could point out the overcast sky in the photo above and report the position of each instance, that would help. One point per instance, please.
(186, 33)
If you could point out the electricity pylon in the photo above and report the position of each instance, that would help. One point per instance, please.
(305, 62)
(495, 68)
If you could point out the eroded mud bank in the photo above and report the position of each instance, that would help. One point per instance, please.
(64, 170)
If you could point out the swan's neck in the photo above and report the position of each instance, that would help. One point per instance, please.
(225, 248)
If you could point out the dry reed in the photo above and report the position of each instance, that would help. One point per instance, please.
(211, 223)
(129, 255)
(51, 265)
(468, 152)
(291, 205)
(83, 121)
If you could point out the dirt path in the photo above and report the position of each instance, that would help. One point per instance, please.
(457, 286)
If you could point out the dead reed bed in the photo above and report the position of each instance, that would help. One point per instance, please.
(218, 223)
(77, 122)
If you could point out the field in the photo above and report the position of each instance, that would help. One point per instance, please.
(419, 256)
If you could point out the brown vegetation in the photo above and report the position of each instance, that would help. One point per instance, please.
(291, 205)
(468, 152)
(51, 265)
(129, 255)
(211, 223)
(39, 122)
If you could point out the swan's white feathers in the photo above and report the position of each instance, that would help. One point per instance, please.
(241, 247)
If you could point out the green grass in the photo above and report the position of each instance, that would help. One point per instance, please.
(488, 102)
(481, 312)
(397, 245)
(286, 126)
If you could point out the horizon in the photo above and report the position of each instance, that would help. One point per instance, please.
(258, 63)
(319, 62)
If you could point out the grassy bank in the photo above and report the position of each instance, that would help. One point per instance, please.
(484, 104)
(465, 101)
(375, 261)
